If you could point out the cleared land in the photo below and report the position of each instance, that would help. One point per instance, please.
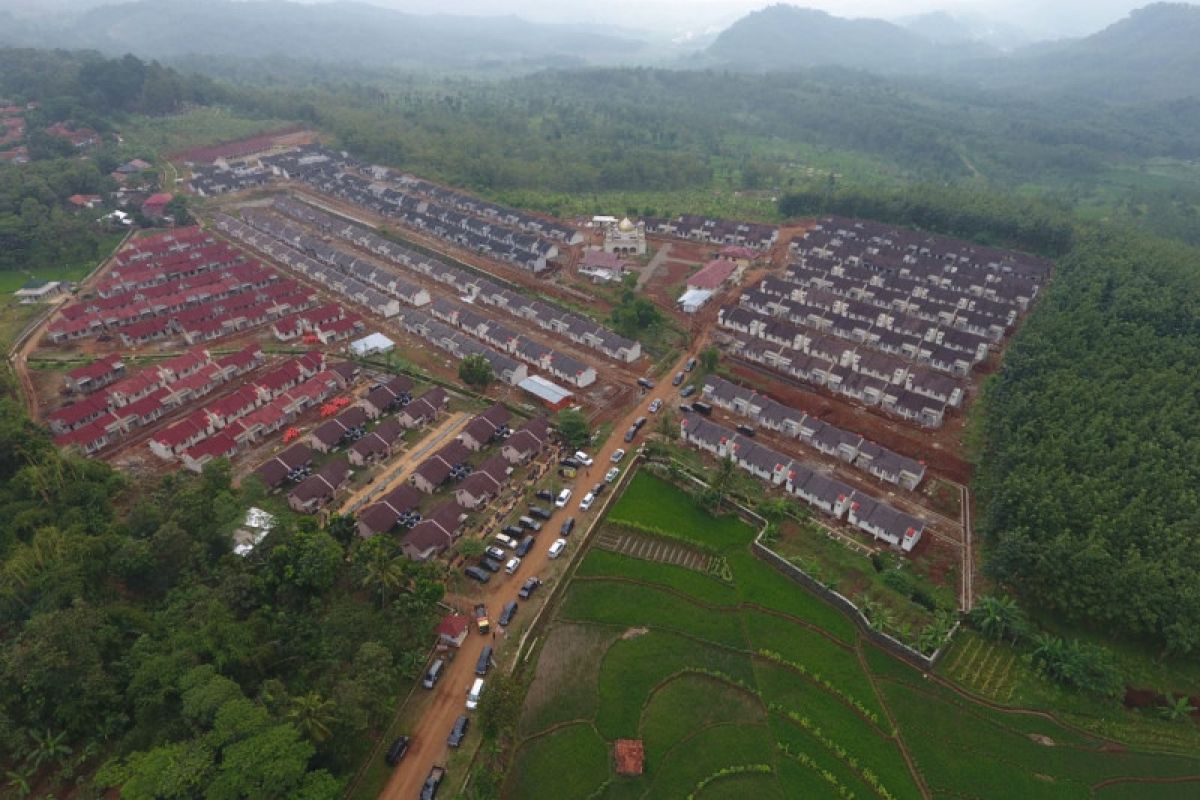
(750, 686)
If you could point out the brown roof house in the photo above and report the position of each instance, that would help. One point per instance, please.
(486, 427)
(318, 489)
(435, 533)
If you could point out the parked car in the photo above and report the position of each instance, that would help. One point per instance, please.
(617, 455)
(639, 422)
(587, 501)
(478, 574)
(655, 405)
(513, 565)
(504, 540)
(494, 552)
(690, 365)
(459, 731)
(433, 783)
(529, 587)
(702, 408)
(678, 379)
(688, 390)
(474, 693)
(530, 523)
(567, 526)
(539, 512)
(583, 458)
(509, 611)
(484, 662)
(490, 564)
(631, 433)
(612, 474)
(516, 531)
(645, 383)
(396, 751)
(434, 673)
(563, 498)
(745, 430)
(525, 546)
(545, 494)
(569, 462)
(557, 548)
(599, 488)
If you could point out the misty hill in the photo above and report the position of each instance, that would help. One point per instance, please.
(783, 37)
(1151, 55)
(337, 32)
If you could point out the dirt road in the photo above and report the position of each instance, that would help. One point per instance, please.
(428, 746)
(450, 427)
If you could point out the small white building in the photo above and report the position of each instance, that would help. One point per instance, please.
(255, 527)
(36, 291)
(370, 345)
(691, 300)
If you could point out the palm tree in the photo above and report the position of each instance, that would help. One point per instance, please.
(1177, 708)
(722, 480)
(997, 617)
(46, 747)
(312, 715)
(384, 574)
(19, 781)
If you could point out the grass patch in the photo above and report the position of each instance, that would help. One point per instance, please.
(564, 685)
(709, 590)
(616, 603)
(689, 703)
(739, 787)
(759, 583)
(705, 753)
(572, 762)
(197, 127)
(634, 666)
(651, 502)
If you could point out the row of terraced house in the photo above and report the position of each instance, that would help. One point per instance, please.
(807, 482)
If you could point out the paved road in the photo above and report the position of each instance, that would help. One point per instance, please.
(428, 746)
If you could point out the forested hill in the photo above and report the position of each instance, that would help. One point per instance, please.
(783, 37)
(354, 33)
(1151, 55)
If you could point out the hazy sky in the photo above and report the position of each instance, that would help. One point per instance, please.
(1041, 17)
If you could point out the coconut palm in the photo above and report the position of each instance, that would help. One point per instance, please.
(384, 574)
(45, 747)
(312, 715)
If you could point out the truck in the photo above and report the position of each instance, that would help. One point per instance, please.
(481, 619)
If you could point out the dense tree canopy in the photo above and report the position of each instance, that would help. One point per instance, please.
(1089, 476)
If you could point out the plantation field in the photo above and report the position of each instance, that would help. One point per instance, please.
(742, 684)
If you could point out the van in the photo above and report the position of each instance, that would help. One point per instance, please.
(434, 673)
(474, 693)
(485, 661)
(504, 540)
(557, 548)
(529, 523)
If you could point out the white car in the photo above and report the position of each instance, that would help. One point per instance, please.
(583, 458)
(513, 565)
(557, 548)
(655, 405)
(617, 455)
(611, 475)
(587, 501)
(563, 498)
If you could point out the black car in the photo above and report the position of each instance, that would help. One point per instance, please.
(702, 408)
(631, 433)
(545, 494)
(568, 526)
(529, 587)
(539, 512)
(397, 751)
(433, 783)
(510, 611)
(639, 422)
(515, 531)
(459, 731)
(525, 546)
(745, 430)
(475, 573)
(599, 488)
(485, 660)
(490, 564)
(569, 462)
(688, 390)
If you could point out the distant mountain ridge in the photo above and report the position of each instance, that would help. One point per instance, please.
(1152, 55)
(781, 37)
(339, 32)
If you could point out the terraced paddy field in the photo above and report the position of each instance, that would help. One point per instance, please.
(739, 683)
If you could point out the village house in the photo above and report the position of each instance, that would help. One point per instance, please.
(486, 427)
(318, 489)
(484, 483)
(435, 533)
(96, 375)
(527, 441)
(277, 470)
(389, 511)
(376, 444)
